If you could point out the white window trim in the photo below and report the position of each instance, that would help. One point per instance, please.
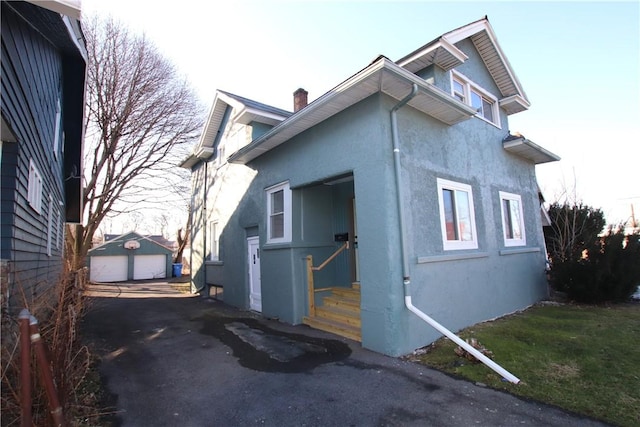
(56, 135)
(287, 212)
(512, 197)
(34, 189)
(214, 240)
(59, 227)
(470, 84)
(450, 245)
(50, 226)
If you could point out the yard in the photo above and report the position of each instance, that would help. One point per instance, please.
(585, 359)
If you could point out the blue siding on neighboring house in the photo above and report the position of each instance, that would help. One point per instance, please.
(33, 108)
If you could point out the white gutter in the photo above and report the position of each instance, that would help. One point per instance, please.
(405, 261)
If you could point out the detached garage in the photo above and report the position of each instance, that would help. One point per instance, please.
(129, 257)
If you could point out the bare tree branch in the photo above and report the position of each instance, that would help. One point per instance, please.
(140, 112)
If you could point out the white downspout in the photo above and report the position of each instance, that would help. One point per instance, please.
(405, 260)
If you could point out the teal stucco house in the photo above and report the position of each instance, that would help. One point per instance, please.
(400, 191)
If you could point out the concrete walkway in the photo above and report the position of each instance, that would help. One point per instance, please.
(172, 359)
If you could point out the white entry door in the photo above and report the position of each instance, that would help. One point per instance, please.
(255, 290)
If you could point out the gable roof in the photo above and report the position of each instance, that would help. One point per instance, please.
(443, 53)
(395, 79)
(245, 111)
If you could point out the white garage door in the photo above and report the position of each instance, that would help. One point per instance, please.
(108, 268)
(149, 267)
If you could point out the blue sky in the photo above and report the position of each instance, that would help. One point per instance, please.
(578, 62)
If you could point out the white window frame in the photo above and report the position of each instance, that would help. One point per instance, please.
(506, 229)
(56, 135)
(59, 227)
(214, 240)
(457, 244)
(469, 86)
(34, 189)
(50, 226)
(286, 237)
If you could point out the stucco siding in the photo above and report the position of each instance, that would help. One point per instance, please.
(461, 287)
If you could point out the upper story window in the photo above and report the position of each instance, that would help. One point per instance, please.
(457, 216)
(512, 219)
(464, 90)
(34, 190)
(279, 213)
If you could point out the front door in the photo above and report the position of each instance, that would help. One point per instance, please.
(255, 290)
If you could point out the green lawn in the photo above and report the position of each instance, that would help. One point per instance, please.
(585, 359)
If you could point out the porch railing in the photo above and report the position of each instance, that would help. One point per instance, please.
(311, 290)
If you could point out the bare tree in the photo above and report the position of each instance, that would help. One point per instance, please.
(140, 113)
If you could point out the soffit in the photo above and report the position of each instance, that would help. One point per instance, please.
(529, 150)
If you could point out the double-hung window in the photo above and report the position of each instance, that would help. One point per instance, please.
(512, 219)
(34, 191)
(279, 213)
(485, 104)
(457, 216)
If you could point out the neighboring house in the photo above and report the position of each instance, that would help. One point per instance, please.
(130, 256)
(409, 166)
(43, 83)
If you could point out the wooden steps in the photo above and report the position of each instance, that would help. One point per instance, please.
(339, 313)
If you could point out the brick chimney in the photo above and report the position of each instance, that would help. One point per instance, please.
(299, 99)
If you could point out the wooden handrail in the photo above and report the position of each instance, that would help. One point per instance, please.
(335, 254)
(311, 291)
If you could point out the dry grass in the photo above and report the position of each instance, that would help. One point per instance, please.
(58, 311)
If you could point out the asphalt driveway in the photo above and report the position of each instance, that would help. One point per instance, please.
(171, 359)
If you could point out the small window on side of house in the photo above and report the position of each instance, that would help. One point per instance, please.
(279, 213)
(34, 189)
(457, 215)
(214, 238)
(512, 219)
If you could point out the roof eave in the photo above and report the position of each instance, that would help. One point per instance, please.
(529, 150)
(514, 104)
(364, 84)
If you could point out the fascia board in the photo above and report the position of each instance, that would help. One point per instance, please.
(213, 124)
(530, 150)
(441, 43)
(505, 61)
(71, 8)
(248, 115)
(467, 31)
(307, 111)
